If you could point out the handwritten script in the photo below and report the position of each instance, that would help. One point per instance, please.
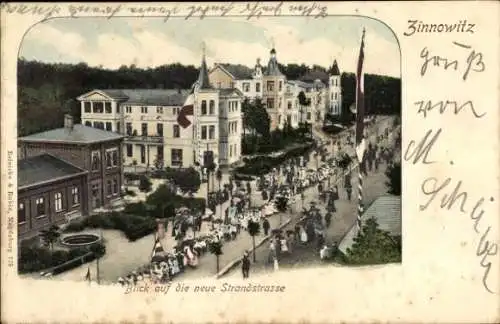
(445, 192)
(471, 62)
(187, 11)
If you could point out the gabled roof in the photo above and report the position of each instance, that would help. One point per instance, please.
(235, 71)
(387, 212)
(229, 91)
(313, 75)
(44, 168)
(148, 97)
(80, 134)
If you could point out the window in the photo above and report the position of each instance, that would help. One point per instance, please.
(176, 131)
(87, 106)
(335, 96)
(219, 85)
(159, 129)
(230, 150)
(203, 132)
(144, 110)
(129, 150)
(75, 196)
(280, 86)
(40, 207)
(117, 108)
(111, 158)
(115, 186)
(279, 120)
(21, 213)
(159, 153)
(211, 108)
(246, 87)
(159, 110)
(308, 115)
(235, 105)
(118, 127)
(143, 154)
(270, 103)
(108, 126)
(203, 107)
(58, 206)
(88, 123)
(176, 157)
(129, 128)
(280, 102)
(97, 107)
(128, 109)
(211, 132)
(289, 105)
(270, 85)
(257, 87)
(107, 107)
(98, 125)
(231, 85)
(95, 160)
(109, 188)
(144, 129)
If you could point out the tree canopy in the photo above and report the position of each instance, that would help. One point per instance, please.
(374, 246)
(393, 173)
(52, 88)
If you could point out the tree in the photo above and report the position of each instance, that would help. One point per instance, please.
(161, 198)
(302, 102)
(394, 183)
(188, 181)
(374, 246)
(144, 184)
(253, 230)
(50, 236)
(215, 248)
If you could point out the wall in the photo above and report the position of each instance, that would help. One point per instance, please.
(33, 224)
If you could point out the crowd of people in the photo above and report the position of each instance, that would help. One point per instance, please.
(289, 181)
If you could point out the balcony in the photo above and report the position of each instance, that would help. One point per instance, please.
(137, 139)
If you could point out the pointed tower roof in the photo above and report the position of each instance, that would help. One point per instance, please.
(334, 70)
(203, 82)
(272, 66)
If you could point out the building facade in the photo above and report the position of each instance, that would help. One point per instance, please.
(153, 136)
(50, 192)
(280, 96)
(94, 150)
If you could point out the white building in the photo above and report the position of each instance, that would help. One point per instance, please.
(279, 95)
(149, 119)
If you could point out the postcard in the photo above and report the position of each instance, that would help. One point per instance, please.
(234, 162)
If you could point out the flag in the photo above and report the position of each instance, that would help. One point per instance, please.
(186, 110)
(157, 248)
(87, 276)
(360, 104)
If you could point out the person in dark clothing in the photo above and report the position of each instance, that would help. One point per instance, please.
(328, 219)
(245, 265)
(297, 232)
(266, 226)
(321, 241)
(349, 192)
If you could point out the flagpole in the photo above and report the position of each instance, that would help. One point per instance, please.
(359, 130)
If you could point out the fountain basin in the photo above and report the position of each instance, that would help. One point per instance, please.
(80, 240)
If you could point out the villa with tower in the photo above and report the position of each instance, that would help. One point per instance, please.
(281, 96)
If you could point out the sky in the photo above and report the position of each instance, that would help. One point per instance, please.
(151, 42)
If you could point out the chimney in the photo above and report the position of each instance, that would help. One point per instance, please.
(68, 122)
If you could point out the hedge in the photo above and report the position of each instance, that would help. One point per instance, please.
(264, 164)
(33, 259)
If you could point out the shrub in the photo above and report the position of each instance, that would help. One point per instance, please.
(130, 193)
(144, 184)
(32, 259)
